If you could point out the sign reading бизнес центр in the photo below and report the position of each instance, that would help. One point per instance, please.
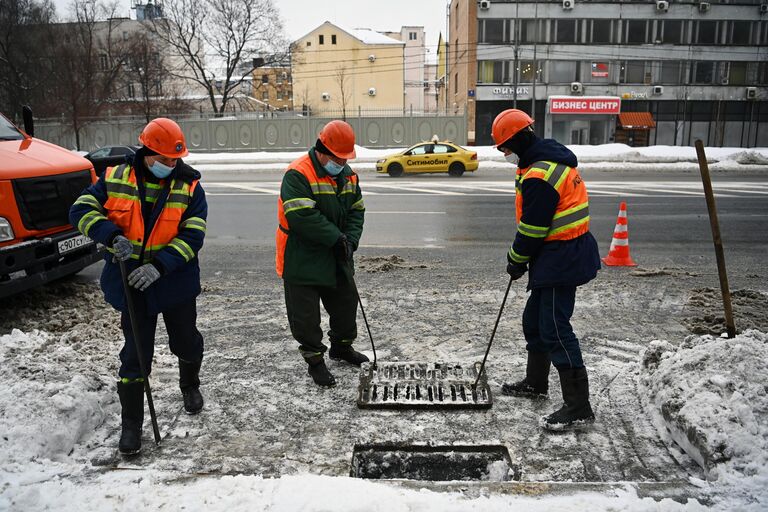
(584, 105)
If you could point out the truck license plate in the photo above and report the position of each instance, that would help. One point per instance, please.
(74, 243)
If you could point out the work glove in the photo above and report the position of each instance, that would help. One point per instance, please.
(516, 270)
(123, 248)
(143, 276)
(343, 249)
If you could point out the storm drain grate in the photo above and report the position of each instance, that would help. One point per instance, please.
(422, 385)
(484, 463)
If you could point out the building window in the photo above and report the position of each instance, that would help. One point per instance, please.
(265, 95)
(565, 31)
(490, 71)
(740, 33)
(706, 33)
(762, 73)
(601, 31)
(737, 73)
(158, 85)
(672, 31)
(563, 71)
(131, 90)
(412, 36)
(492, 31)
(528, 31)
(103, 62)
(321, 39)
(703, 72)
(279, 94)
(527, 68)
(763, 33)
(333, 38)
(670, 72)
(599, 72)
(309, 43)
(456, 78)
(636, 31)
(632, 72)
(265, 79)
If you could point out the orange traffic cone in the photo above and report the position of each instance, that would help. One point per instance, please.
(618, 254)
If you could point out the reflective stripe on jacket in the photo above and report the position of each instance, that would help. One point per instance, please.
(571, 218)
(123, 208)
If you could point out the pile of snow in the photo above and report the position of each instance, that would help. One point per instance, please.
(711, 395)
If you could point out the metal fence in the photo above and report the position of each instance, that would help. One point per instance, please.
(273, 131)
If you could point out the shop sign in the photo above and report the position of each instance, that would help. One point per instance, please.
(509, 92)
(584, 105)
(632, 95)
(600, 69)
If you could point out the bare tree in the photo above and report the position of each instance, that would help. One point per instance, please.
(25, 43)
(303, 98)
(342, 80)
(234, 33)
(146, 66)
(87, 63)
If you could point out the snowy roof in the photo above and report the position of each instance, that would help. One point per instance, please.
(364, 35)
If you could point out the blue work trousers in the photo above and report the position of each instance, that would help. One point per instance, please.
(547, 325)
(184, 340)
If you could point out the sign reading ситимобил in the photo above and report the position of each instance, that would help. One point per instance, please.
(584, 105)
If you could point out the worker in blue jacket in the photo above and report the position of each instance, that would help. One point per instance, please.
(151, 214)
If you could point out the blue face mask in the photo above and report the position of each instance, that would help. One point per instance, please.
(333, 168)
(160, 170)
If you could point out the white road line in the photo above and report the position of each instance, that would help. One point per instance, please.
(368, 212)
(415, 189)
(388, 246)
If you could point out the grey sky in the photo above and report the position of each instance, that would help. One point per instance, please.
(301, 16)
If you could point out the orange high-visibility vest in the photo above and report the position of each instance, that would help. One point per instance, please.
(318, 185)
(571, 218)
(123, 207)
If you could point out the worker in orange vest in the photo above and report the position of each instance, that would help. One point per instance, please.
(150, 213)
(320, 222)
(554, 245)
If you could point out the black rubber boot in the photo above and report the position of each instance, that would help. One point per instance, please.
(319, 372)
(345, 352)
(536, 381)
(576, 411)
(189, 382)
(132, 402)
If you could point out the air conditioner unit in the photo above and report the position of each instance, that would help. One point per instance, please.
(371, 91)
(371, 58)
(577, 88)
(485, 4)
(326, 96)
(751, 93)
(763, 8)
(662, 5)
(704, 6)
(658, 90)
(568, 4)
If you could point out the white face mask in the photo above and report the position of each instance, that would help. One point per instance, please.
(512, 158)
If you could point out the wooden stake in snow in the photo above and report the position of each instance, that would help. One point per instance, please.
(709, 194)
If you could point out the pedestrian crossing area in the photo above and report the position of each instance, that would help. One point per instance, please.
(464, 187)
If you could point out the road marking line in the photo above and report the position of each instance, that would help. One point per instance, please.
(415, 189)
(405, 212)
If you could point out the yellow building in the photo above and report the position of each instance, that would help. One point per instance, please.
(340, 71)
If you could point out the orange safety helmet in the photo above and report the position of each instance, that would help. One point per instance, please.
(508, 124)
(164, 137)
(339, 138)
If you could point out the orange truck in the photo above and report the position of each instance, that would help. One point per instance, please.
(39, 181)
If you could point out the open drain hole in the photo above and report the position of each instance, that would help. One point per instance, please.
(484, 463)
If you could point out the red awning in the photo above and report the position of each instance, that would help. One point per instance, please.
(636, 120)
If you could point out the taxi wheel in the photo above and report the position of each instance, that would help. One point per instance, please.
(456, 169)
(395, 169)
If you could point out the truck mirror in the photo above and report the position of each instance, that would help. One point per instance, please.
(29, 124)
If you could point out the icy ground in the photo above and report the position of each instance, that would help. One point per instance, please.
(269, 439)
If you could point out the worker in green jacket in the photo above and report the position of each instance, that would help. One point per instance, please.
(320, 222)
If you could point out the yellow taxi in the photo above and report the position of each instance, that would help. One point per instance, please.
(431, 156)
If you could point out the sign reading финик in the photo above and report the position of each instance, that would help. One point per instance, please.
(584, 105)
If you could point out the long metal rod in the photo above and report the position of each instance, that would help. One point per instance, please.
(362, 310)
(137, 342)
(730, 327)
(493, 334)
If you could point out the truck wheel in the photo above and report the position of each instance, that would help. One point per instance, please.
(456, 169)
(395, 169)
